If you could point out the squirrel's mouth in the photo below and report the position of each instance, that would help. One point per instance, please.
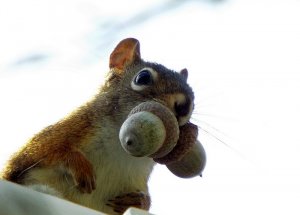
(183, 112)
(183, 120)
(181, 106)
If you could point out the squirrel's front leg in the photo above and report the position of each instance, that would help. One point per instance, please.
(76, 164)
(81, 170)
(136, 199)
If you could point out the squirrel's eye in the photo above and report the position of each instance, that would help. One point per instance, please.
(143, 78)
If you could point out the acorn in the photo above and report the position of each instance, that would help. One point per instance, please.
(191, 164)
(151, 129)
(188, 134)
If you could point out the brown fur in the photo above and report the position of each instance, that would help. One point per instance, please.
(84, 146)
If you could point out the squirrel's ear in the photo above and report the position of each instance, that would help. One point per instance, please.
(184, 73)
(126, 52)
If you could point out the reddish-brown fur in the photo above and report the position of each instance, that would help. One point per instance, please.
(58, 144)
(88, 135)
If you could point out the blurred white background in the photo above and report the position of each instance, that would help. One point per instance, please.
(243, 61)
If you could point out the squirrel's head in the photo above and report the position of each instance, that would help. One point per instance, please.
(135, 81)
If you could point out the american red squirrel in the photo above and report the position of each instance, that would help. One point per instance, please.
(80, 158)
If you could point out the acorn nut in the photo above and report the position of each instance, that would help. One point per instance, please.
(188, 134)
(192, 164)
(150, 129)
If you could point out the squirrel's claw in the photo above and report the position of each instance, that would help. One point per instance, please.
(86, 183)
(134, 199)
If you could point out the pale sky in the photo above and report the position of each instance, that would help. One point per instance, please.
(243, 61)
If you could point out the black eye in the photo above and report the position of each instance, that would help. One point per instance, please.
(143, 78)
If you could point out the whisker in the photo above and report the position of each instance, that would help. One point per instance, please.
(227, 118)
(215, 137)
(30, 167)
(211, 126)
(66, 178)
(71, 186)
(210, 97)
(225, 144)
(201, 105)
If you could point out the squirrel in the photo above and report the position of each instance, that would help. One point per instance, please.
(80, 157)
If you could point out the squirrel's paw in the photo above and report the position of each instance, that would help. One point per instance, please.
(83, 173)
(85, 182)
(134, 199)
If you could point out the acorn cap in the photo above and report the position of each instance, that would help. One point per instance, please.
(187, 138)
(169, 120)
